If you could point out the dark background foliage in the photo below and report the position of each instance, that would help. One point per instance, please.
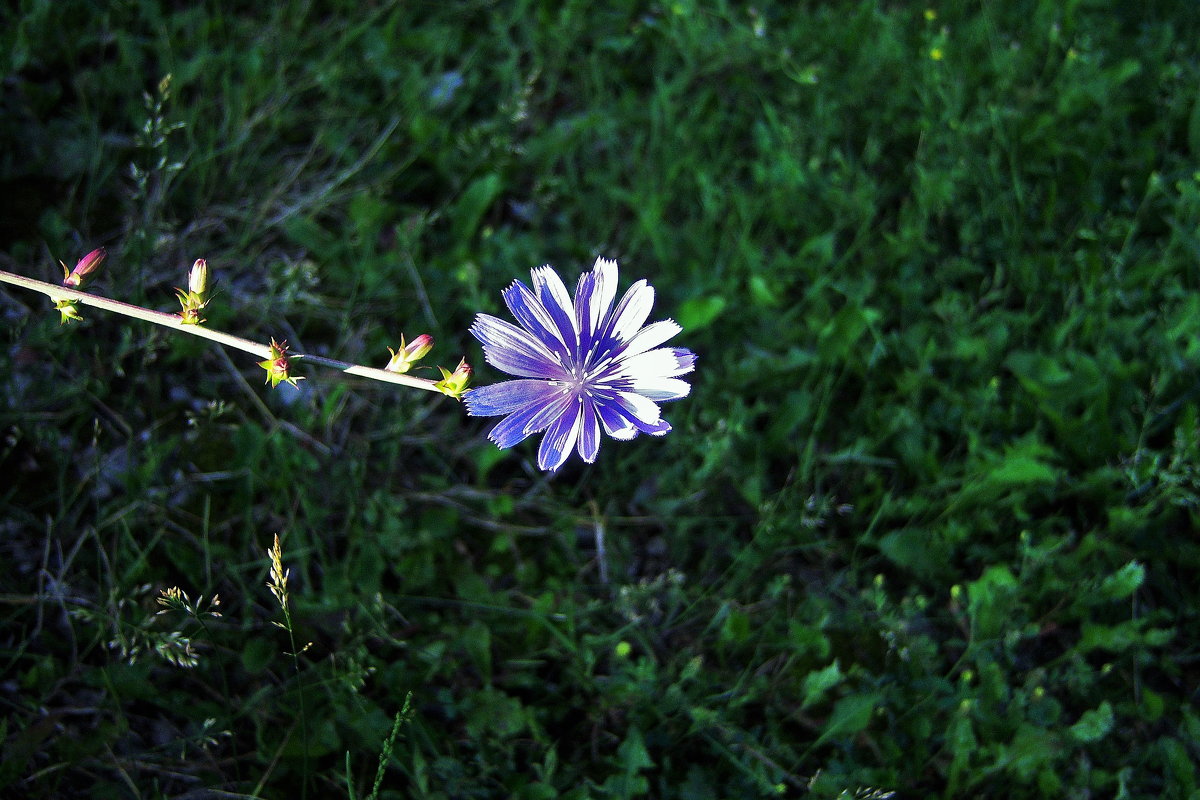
(926, 524)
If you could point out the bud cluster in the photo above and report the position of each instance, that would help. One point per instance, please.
(452, 384)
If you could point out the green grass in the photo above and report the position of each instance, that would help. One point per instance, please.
(925, 525)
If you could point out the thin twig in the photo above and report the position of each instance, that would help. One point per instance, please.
(174, 322)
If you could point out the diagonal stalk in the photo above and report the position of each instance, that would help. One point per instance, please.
(174, 322)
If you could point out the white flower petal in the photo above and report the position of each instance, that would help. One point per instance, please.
(661, 389)
(593, 299)
(630, 314)
(665, 362)
(651, 336)
(641, 407)
(606, 281)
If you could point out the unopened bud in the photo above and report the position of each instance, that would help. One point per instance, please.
(453, 384)
(409, 354)
(198, 277)
(278, 365)
(69, 310)
(78, 278)
(195, 298)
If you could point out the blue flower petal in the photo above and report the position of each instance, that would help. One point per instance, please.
(615, 423)
(589, 433)
(553, 295)
(560, 438)
(551, 411)
(507, 397)
(515, 427)
(507, 347)
(533, 316)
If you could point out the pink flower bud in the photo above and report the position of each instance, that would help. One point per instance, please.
(403, 359)
(78, 277)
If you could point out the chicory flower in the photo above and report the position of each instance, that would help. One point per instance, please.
(582, 365)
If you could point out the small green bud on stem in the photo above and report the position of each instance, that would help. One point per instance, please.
(453, 384)
(278, 367)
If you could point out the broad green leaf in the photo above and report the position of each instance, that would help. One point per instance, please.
(1094, 725)
(1124, 581)
(851, 714)
(474, 202)
(699, 312)
(633, 753)
(817, 683)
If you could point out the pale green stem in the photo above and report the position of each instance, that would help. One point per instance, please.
(175, 322)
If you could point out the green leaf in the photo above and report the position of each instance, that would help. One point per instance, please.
(808, 640)
(258, 652)
(633, 758)
(496, 713)
(924, 553)
(474, 202)
(990, 601)
(840, 336)
(632, 752)
(1194, 128)
(735, 627)
(1030, 750)
(477, 640)
(817, 683)
(1124, 581)
(699, 312)
(1021, 469)
(1094, 725)
(1152, 705)
(851, 714)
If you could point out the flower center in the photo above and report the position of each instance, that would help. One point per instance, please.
(577, 382)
